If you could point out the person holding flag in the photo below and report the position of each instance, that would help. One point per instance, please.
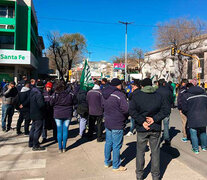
(86, 83)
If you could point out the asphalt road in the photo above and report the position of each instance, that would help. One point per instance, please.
(84, 160)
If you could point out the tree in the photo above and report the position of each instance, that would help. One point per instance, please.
(135, 59)
(73, 45)
(181, 33)
(65, 50)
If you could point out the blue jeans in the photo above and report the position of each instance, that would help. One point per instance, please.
(62, 132)
(166, 128)
(3, 116)
(194, 137)
(7, 112)
(114, 141)
(132, 126)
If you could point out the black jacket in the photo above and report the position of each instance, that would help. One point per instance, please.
(37, 105)
(20, 85)
(82, 103)
(148, 104)
(194, 106)
(24, 99)
(180, 96)
(167, 94)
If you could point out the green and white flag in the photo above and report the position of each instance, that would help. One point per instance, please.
(86, 81)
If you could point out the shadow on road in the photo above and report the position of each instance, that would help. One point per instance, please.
(167, 153)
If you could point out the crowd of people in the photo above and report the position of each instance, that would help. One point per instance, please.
(51, 105)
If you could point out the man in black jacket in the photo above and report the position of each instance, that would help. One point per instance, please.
(37, 108)
(181, 93)
(167, 94)
(148, 109)
(21, 83)
(24, 109)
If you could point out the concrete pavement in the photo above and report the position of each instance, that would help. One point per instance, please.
(84, 160)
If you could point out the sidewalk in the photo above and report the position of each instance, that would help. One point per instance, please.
(83, 160)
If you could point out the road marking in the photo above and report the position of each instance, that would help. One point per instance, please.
(12, 150)
(22, 165)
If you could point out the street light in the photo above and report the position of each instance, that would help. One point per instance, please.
(126, 23)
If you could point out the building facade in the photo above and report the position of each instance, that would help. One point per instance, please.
(20, 45)
(161, 64)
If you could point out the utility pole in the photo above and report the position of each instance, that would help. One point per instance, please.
(126, 24)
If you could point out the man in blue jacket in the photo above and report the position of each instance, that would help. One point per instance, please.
(115, 114)
(94, 98)
(148, 109)
(37, 109)
(194, 106)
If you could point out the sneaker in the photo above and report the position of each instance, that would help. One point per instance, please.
(108, 166)
(38, 148)
(3, 129)
(195, 151)
(60, 151)
(204, 149)
(184, 140)
(121, 168)
(129, 134)
(64, 150)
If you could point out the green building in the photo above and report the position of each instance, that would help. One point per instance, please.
(20, 45)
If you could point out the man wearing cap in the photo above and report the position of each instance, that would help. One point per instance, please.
(115, 114)
(49, 122)
(37, 109)
(148, 109)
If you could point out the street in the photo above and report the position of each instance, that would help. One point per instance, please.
(85, 160)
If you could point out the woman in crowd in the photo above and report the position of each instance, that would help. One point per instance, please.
(62, 102)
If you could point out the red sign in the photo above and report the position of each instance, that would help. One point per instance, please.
(119, 66)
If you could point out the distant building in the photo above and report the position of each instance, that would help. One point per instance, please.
(161, 64)
(20, 45)
(99, 69)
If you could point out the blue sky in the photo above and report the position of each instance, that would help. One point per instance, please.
(107, 40)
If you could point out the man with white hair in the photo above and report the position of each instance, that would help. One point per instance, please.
(94, 98)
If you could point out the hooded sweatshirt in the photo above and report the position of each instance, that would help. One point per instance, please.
(194, 106)
(148, 103)
(115, 107)
(24, 99)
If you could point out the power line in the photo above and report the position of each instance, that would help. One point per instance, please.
(107, 23)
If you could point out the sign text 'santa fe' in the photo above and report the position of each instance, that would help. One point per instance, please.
(12, 57)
